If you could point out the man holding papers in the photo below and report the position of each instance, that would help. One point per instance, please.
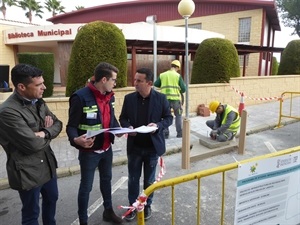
(121, 130)
(145, 107)
(92, 108)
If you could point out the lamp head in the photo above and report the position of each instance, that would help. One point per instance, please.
(151, 19)
(186, 8)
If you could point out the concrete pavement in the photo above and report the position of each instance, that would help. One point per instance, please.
(260, 117)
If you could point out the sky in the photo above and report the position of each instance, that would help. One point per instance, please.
(282, 38)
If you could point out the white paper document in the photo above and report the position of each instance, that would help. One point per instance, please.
(121, 130)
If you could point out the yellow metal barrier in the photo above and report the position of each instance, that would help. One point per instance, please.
(204, 173)
(284, 94)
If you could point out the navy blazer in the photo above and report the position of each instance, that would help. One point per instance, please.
(159, 113)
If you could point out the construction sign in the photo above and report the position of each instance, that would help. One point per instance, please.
(268, 191)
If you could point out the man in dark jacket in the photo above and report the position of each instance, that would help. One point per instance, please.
(92, 108)
(151, 108)
(27, 127)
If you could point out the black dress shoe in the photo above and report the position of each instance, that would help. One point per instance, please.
(110, 216)
(130, 216)
(147, 212)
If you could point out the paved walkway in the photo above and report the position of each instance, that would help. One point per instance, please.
(260, 117)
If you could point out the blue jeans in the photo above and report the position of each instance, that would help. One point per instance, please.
(31, 207)
(89, 162)
(139, 158)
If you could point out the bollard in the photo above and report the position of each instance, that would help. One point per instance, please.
(241, 105)
(185, 161)
(242, 137)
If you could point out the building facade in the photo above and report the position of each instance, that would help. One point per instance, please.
(244, 22)
(250, 25)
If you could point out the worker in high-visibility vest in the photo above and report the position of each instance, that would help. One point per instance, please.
(226, 124)
(172, 85)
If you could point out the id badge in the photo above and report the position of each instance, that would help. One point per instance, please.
(91, 115)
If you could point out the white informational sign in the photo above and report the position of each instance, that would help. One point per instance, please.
(268, 192)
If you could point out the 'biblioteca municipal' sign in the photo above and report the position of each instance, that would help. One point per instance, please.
(41, 33)
(51, 32)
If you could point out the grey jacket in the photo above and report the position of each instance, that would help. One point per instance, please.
(30, 159)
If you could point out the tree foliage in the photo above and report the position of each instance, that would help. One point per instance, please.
(31, 7)
(3, 6)
(54, 6)
(274, 66)
(290, 59)
(96, 42)
(216, 60)
(79, 7)
(290, 14)
(43, 61)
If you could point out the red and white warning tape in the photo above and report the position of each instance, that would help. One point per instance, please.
(139, 205)
(142, 199)
(162, 171)
(264, 99)
(236, 90)
(259, 99)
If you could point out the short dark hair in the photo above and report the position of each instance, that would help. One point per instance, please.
(23, 73)
(147, 72)
(104, 69)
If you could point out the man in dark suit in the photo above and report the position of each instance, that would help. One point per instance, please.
(150, 108)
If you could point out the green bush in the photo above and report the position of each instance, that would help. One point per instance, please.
(216, 60)
(43, 61)
(274, 66)
(290, 59)
(96, 42)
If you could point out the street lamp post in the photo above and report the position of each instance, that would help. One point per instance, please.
(186, 8)
(152, 19)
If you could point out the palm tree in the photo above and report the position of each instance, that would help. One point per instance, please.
(3, 6)
(31, 6)
(54, 7)
(79, 7)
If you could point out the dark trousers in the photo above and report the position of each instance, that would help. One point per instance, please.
(89, 162)
(221, 137)
(139, 158)
(176, 106)
(30, 202)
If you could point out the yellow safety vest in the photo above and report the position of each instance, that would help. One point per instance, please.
(170, 85)
(234, 127)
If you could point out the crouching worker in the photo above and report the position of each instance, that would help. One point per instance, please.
(226, 124)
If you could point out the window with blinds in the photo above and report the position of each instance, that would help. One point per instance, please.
(244, 29)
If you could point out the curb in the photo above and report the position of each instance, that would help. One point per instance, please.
(122, 160)
(73, 170)
(214, 152)
(271, 126)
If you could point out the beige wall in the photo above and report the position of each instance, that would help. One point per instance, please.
(253, 88)
(7, 56)
(228, 25)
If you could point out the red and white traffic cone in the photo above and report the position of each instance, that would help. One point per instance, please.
(241, 105)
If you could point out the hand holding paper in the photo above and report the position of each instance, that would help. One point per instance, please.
(120, 130)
